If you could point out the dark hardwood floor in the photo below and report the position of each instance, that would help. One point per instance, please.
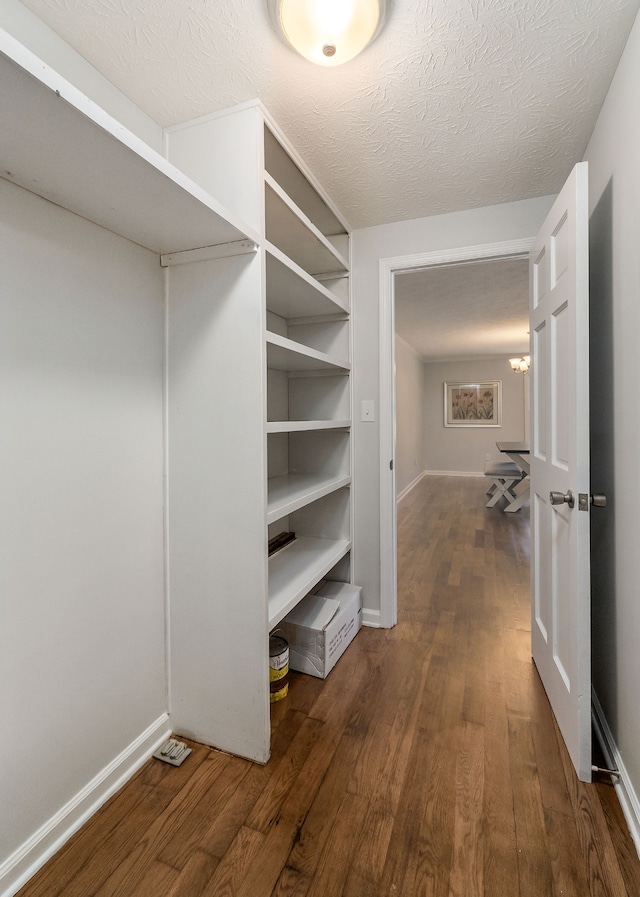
(427, 765)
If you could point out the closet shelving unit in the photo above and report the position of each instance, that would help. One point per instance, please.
(257, 292)
(301, 293)
(308, 379)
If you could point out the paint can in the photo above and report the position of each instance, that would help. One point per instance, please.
(278, 668)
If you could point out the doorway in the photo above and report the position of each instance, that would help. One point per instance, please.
(389, 269)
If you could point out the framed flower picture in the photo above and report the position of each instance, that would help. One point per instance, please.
(469, 404)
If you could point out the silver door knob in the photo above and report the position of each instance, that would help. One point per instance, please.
(559, 498)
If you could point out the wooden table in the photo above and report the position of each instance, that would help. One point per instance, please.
(518, 452)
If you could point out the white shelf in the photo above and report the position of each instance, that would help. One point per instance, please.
(284, 354)
(289, 228)
(307, 196)
(293, 293)
(293, 491)
(57, 143)
(297, 568)
(302, 426)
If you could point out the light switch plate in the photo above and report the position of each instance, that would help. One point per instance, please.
(368, 410)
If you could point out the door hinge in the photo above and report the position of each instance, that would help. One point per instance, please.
(391, 464)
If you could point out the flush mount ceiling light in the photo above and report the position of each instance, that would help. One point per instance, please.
(328, 32)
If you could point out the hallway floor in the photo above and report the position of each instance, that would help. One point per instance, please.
(428, 764)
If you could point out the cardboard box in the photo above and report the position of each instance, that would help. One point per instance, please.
(321, 626)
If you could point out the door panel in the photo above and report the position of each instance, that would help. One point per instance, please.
(560, 577)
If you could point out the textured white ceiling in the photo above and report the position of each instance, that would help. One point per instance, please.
(458, 104)
(465, 311)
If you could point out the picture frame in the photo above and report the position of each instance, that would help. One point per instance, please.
(473, 403)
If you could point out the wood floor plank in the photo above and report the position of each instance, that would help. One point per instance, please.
(569, 872)
(292, 884)
(159, 879)
(500, 852)
(311, 776)
(428, 763)
(331, 875)
(223, 782)
(195, 875)
(401, 861)
(386, 756)
(599, 857)
(308, 850)
(268, 862)
(623, 846)
(217, 837)
(469, 832)
(267, 808)
(154, 842)
(234, 866)
(534, 862)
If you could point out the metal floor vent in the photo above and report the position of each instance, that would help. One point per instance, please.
(173, 752)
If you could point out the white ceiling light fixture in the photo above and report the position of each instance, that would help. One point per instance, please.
(328, 32)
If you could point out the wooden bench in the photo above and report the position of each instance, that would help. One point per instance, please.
(504, 476)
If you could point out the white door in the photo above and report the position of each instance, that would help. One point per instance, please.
(560, 555)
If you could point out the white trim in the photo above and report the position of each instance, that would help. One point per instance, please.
(24, 862)
(623, 787)
(448, 359)
(454, 473)
(436, 473)
(166, 521)
(388, 268)
(214, 116)
(409, 348)
(387, 406)
(371, 618)
(207, 253)
(410, 487)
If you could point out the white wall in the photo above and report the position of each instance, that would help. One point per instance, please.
(82, 640)
(410, 413)
(613, 154)
(494, 224)
(82, 650)
(463, 449)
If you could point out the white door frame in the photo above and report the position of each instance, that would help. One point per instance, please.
(388, 268)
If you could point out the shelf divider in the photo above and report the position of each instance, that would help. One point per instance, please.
(296, 569)
(290, 229)
(302, 426)
(284, 354)
(292, 491)
(293, 293)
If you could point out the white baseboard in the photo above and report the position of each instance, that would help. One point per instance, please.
(412, 485)
(19, 867)
(371, 618)
(623, 786)
(454, 473)
(436, 473)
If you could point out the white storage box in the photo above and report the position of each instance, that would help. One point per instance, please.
(321, 626)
